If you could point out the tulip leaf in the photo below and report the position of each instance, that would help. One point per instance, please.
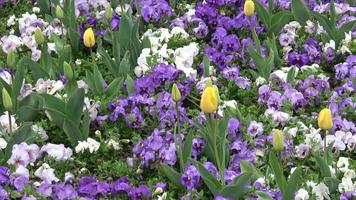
(291, 75)
(187, 149)
(280, 19)
(125, 29)
(293, 183)
(114, 87)
(74, 107)
(116, 47)
(300, 11)
(130, 85)
(277, 171)
(332, 184)
(85, 125)
(263, 14)
(247, 167)
(206, 64)
(263, 195)
(211, 182)
(72, 131)
(237, 188)
(171, 174)
(17, 83)
(324, 168)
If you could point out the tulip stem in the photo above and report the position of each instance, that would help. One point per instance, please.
(92, 56)
(255, 38)
(10, 123)
(325, 149)
(215, 149)
(180, 144)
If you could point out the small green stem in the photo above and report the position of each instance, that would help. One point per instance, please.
(92, 57)
(215, 149)
(180, 143)
(255, 38)
(325, 149)
(10, 123)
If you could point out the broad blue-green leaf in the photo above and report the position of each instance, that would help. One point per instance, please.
(74, 39)
(74, 106)
(72, 131)
(325, 22)
(108, 61)
(293, 183)
(324, 168)
(263, 14)
(130, 85)
(125, 29)
(17, 83)
(36, 69)
(116, 47)
(247, 167)
(85, 125)
(263, 195)
(187, 149)
(280, 19)
(300, 11)
(206, 63)
(277, 171)
(171, 174)
(291, 75)
(114, 87)
(211, 182)
(332, 184)
(237, 188)
(28, 108)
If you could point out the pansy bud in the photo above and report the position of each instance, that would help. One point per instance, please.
(39, 36)
(249, 8)
(108, 12)
(11, 59)
(209, 100)
(89, 38)
(59, 12)
(278, 141)
(68, 72)
(325, 120)
(6, 100)
(176, 96)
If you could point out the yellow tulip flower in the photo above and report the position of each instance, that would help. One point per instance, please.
(249, 8)
(209, 100)
(89, 38)
(325, 120)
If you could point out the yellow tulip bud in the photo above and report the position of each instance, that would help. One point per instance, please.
(278, 141)
(6, 100)
(68, 72)
(209, 100)
(217, 92)
(249, 8)
(89, 38)
(176, 96)
(11, 59)
(59, 12)
(325, 120)
(39, 36)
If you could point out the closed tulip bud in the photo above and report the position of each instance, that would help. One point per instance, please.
(249, 8)
(11, 59)
(325, 120)
(209, 100)
(217, 92)
(89, 38)
(6, 100)
(176, 96)
(68, 72)
(39, 38)
(278, 141)
(108, 12)
(59, 12)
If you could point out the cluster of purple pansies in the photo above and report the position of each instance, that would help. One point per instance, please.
(155, 10)
(88, 187)
(151, 97)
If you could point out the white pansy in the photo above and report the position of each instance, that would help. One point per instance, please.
(260, 81)
(10, 43)
(78, 61)
(46, 173)
(310, 68)
(84, 85)
(40, 131)
(68, 177)
(6, 76)
(92, 107)
(58, 151)
(321, 191)
(226, 104)
(330, 44)
(346, 185)
(3, 143)
(342, 164)
(36, 10)
(179, 31)
(11, 21)
(5, 124)
(279, 74)
(90, 144)
(349, 173)
(112, 143)
(301, 194)
(21, 171)
(184, 58)
(48, 86)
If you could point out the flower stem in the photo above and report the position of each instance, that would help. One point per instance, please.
(10, 123)
(180, 144)
(325, 149)
(255, 38)
(215, 149)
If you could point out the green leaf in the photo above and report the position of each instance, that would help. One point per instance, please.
(72, 131)
(210, 181)
(116, 47)
(206, 63)
(332, 14)
(263, 14)
(114, 87)
(108, 61)
(291, 75)
(332, 184)
(74, 39)
(237, 188)
(130, 84)
(263, 195)
(28, 108)
(17, 83)
(36, 69)
(280, 19)
(324, 168)
(55, 108)
(293, 183)
(44, 6)
(300, 12)
(325, 22)
(125, 29)
(247, 167)
(85, 125)
(187, 149)
(124, 67)
(171, 174)
(74, 106)
(277, 171)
